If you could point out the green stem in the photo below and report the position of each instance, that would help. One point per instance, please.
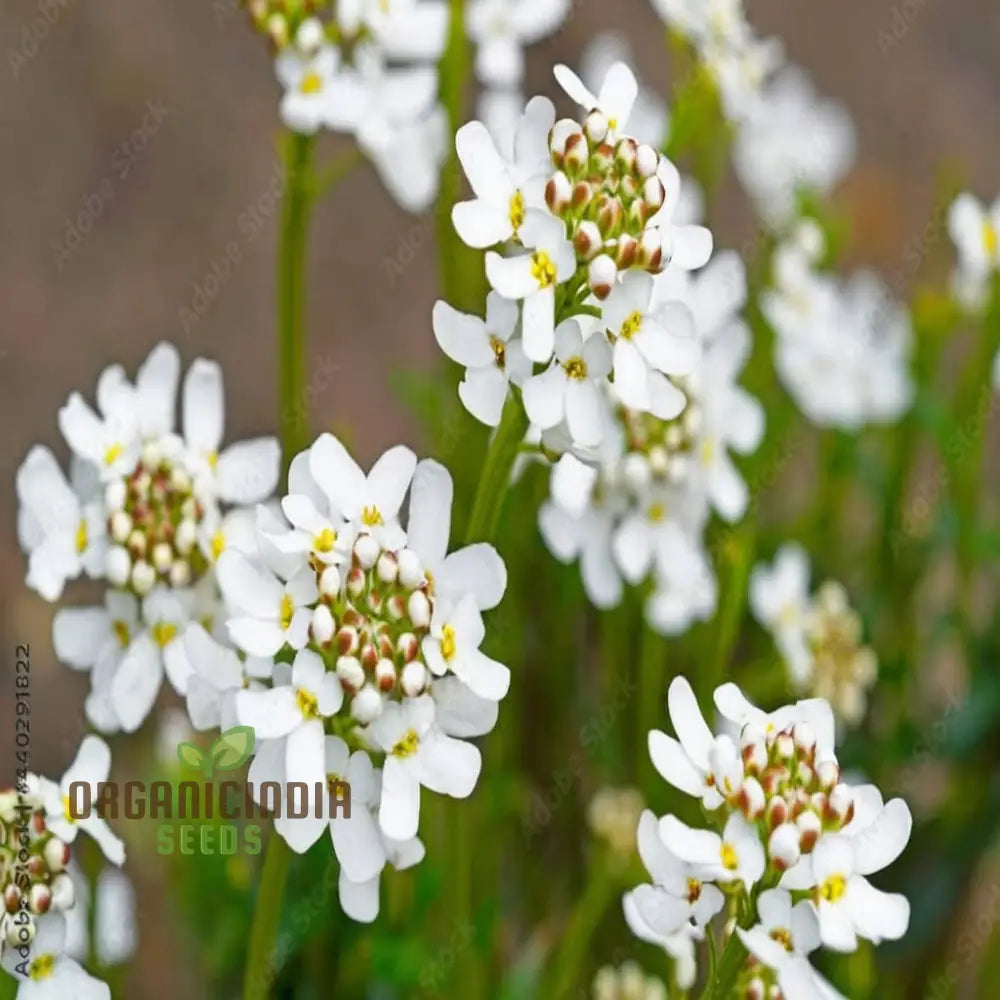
(727, 969)
(260, 970)
(496, 472)
(292, 398)
(652, 694)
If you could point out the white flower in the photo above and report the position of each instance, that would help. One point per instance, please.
(501, 29)
(308, 78)
(792, 141)
(506, 192)
(115, 932)
(61, 533)
(614, 100)
(532, 278)
(453, 644)
(493, 356)
(501, 111)
(736, 855)
(371, 501)
(418, 753)
(91, 766)
(779, 599)
(975, 230)
(568, 388)
(51, 975)
(649, 341)
(686, 589)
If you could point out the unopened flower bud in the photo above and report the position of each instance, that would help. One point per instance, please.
(180, 573)
(647, 160)
(185, 537)
(583, 193)
(653, 194)
(408, 646)
(776, 812)
(411, 571)
(347, 640)
(367, 705)
(841, 801)
(163, 556)
(419, 609)
(20, 934)
(561, 132)
(576, 154)
(350, 672)
(805, 737)
(610, 214)
(136, 544)
(114, 496)
(828, 774)
(756, 989)
(587, 240)
(56, 854)
(120, 526)
(355, 582)
(414, 678)
(11, 898)
(636, 471)
(558, 192)
(784, 746)
(385, 675)
(366, 551)
(329, 582)
(309, 37)
(783, 846)
(751, 798)
(601, 275)
(369, 656)
(143, 577)
(152, 455)
(322, 625)
(395, 607)
(39, 898)
(810, 827)
(625, 154)
(277, 29)
(596, 126)
(628, 249)
(387, 568)
(650, 250)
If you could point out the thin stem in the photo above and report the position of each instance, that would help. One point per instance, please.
(652, 693)
(727, 969)
(291, 296)
(260, 970)
(496, 473)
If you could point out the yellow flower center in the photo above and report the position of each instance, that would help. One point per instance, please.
(372, 517)
(694, 890)
(542, 269)
(448, 642)
(612, 124)
(575, 368)
(632, 325)
(833, 888)
(121, 631)
(325, 540)
(113, 454)
(287, 611)
(308, 705)
(991, 239)
(218, 545)
(213, 459)
(41, 967)
(516, 212)
(163, 632)
(783, 937)
(499, 352)
(81, 536)
(66, 813)
(312, 83)
(729, 859)
(407, 746)
(657, 512)
(707, 451)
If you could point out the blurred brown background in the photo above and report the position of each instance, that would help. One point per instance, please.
(158, 123)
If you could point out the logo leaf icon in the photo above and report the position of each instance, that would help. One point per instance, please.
(233, 748)
(191, 756)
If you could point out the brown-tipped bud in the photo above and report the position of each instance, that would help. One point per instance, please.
(36, 866)
(587, 240)
(776, 812)
(810, 827)
(841, 802)
(602, 159)
(369, 656)
(804, 774)
(577, 153)
(756, 990)
(583, 193)
(628, 251)
(558, 192)
(385, 675)
(39, 898)
(625, 154)
(773, 778)
(350, 673)
(385, 646)
(637, 215)
(828, 774)
(386, 568)
(38, 822)
(407, 646)
(56, 854)
(754, 754)
(820, 805)
(559, 137)
(647, 160)
(376, 601)
(356, 581)
(396, 607)
(628, 187)
(12, 898)
(610, 215)
(601, 275)
(653, 194)
(751, 799)
(783, 846)
(347, 640)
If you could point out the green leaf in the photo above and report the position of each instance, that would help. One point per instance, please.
(233, 748)
(191, 756)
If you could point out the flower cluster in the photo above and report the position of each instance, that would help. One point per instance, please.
(843, 347)
(791, 844)
(357, 642)
(367, 68)
(627, 982)
(819, 635)
(145, 510)
(36, 885)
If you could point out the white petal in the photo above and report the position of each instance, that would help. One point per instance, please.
(399, 810)
(79, 634)
(700, 847)
(337, 475)
(248, 472)
(483, 393)
(359, 900)
(156, 390)
(692, 730)
(429, 523)
(390, 478)
(203, 408)
(271, 714)
(461, 336)
(883, 841)
(674, 765)
(475, 569)
(137, 682)
(448, 766)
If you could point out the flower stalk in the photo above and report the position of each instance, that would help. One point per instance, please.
(260, 970)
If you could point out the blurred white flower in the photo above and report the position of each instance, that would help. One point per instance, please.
(975, 231)
(502, 28)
